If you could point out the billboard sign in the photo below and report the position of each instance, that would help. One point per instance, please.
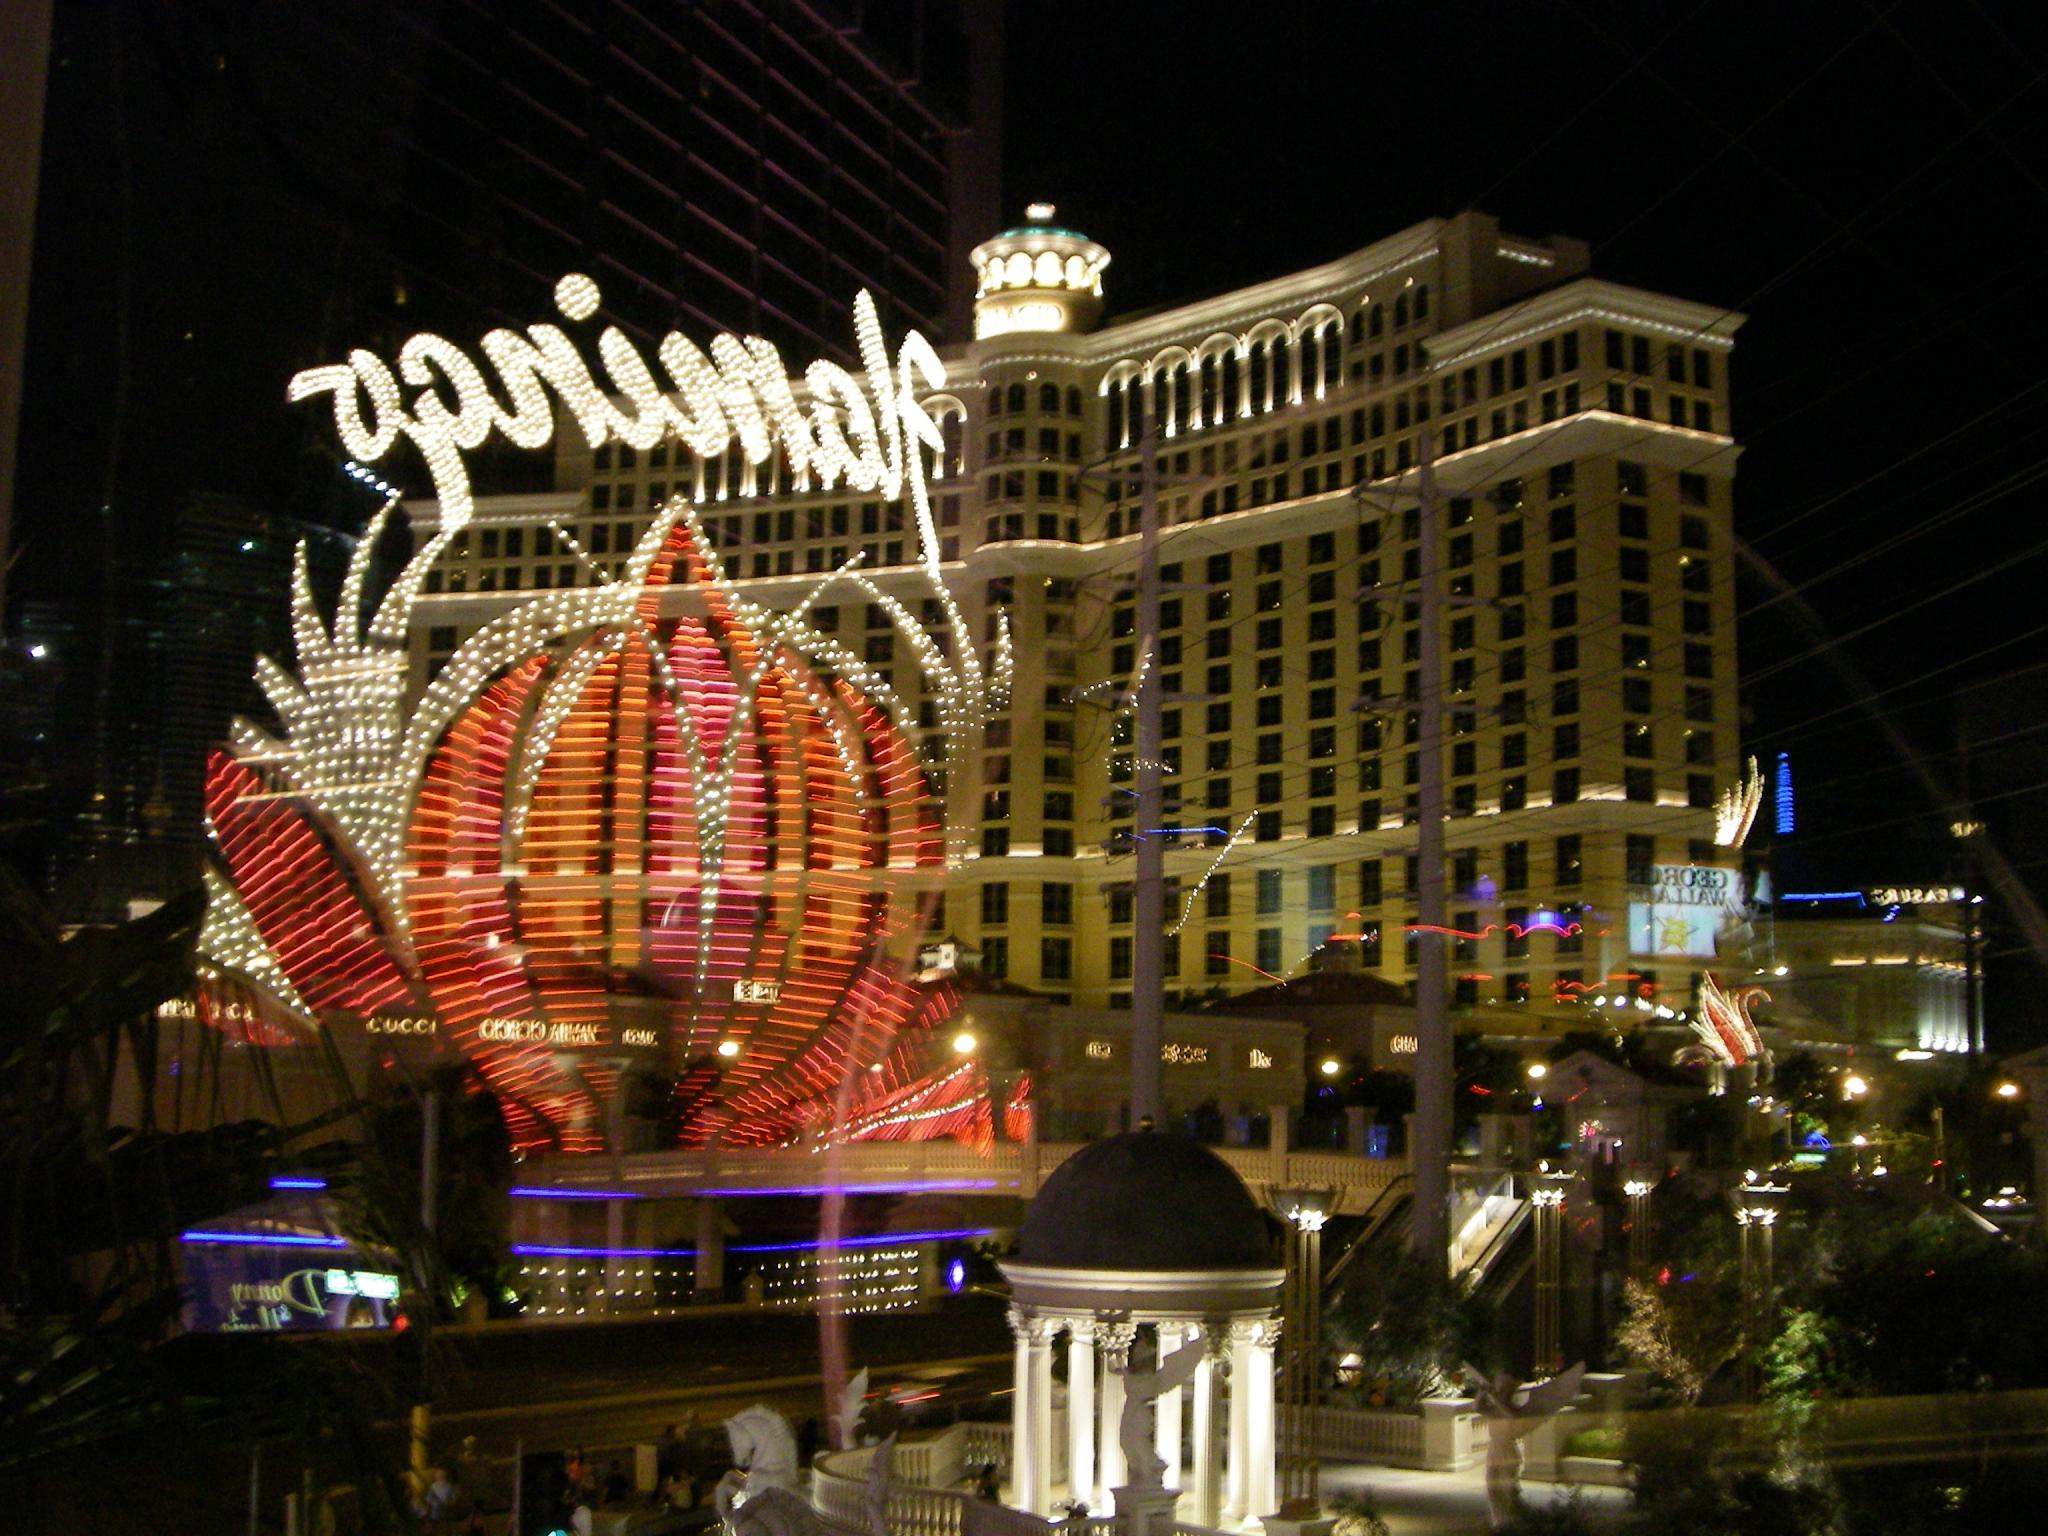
(1680, 911)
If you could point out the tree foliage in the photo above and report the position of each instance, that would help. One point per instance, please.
(1410, 1325)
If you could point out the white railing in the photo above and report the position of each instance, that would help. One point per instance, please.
(1006, 1167)
(1392, 1436)
(839, 1493)
(934, 1461)
(988, 1443)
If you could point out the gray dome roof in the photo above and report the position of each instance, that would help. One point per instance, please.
(1145, 1201)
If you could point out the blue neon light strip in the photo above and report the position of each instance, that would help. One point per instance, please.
(262, 1239)
(298, 1183)
(899, 1187)
(531, 1193)
(572, 1251)
(1855, 896)
(890, 1187)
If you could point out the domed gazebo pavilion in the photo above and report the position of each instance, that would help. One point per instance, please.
(1147, 1231)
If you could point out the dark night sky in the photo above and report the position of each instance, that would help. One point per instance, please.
(1860, 182)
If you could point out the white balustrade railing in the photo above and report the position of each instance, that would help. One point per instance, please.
(1002, 1167)
(1392, 1436)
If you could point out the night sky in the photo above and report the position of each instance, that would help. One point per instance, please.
(1861, 184)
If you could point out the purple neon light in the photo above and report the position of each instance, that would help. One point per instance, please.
(298, 1183)
(574, 1251)
(863, 1242)
(531, 1193)
(263, 1239)
(897, 1187)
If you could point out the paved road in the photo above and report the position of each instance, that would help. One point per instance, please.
(608, 1386)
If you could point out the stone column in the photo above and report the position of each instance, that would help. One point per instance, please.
(1023, 1456)
(1166, 1429)
(708, 1278)
(618, 1270)
(1259, 1498)
(1040, 1340)
(1238, 1441)
(1206, 1479)
(1113, 1338)
(1081, 1410)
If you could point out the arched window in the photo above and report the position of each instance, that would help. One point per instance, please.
(1233, 374)
(1073, 401)
(1016, 399)
(1357, 325)
(1182, 394)
(1212, 386)
(1261, 372)
(1049, 398)
(1400, 311)
(1113, 416)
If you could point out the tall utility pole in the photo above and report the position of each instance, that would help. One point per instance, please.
(1429, 1148)
(1148, 947)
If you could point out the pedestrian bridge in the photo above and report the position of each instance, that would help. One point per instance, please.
(1006, 1168)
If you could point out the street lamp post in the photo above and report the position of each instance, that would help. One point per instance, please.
(1757, 1204)
(1305, 1211)
(1547, 1199)
(1638, 1187)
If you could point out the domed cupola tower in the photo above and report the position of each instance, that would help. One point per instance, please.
(1037, 277)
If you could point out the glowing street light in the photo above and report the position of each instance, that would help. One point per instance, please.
(1854, 1087)
(964, 1043)
(728, 1049)
(1332, 1066)
(1537, 1071)
(2007, 1090)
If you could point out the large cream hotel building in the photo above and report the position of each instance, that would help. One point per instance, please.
(1584, 459)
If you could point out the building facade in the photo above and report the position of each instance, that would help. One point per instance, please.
(1583, 459)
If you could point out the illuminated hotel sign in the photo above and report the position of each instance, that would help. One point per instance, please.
(558, 1035)
(1395, 1045)
(862, 429)
(236, 1291)
(1680, 911)
(1914, 895)
(414, 1025)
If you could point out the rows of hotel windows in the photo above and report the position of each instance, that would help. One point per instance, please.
(539, 557)
(1505, 921)
(1198, 394)
(1294, 644)
(1036, 437)
(1335, 450)
(1276, 366)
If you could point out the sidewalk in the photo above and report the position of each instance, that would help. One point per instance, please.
(1453, 1503)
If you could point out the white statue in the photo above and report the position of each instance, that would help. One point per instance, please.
(846, 1418)
(1135, 1431)
(1512, 1412)
(759, 1496)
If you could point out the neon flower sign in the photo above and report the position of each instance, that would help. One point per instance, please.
(648, 823)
